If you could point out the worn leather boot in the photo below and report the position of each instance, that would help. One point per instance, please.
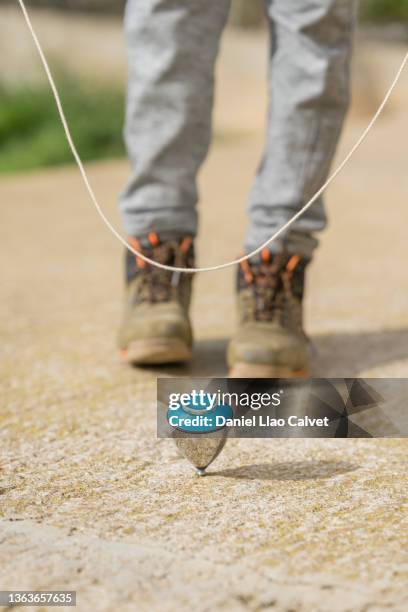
(270, 341)
(156, 327)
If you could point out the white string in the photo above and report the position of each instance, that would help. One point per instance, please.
(234, 262)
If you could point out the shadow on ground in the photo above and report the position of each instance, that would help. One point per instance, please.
(337, 355)
(209, 360)
(291, 470)
(348, 354)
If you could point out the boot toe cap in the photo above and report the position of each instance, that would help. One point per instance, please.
(272, 347)
(155, 323)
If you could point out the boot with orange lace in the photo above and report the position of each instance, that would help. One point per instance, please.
(156, 328)
(270, 341)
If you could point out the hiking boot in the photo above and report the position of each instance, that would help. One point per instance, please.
(156, 328)
(270, 342)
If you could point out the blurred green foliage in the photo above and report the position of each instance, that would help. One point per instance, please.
(247, 13)
(31, 134)
(384, 10)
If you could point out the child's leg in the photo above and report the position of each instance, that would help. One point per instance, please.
(309, 94)
(172, 47)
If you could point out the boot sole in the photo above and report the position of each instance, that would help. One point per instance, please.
(155, 351)
(250, 370)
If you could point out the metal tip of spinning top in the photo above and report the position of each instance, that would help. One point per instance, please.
(199, 450)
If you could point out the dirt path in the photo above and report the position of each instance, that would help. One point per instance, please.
(91, 500)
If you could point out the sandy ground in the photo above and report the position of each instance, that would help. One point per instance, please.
(91, 500)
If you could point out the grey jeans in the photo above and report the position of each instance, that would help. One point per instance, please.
(173, 46)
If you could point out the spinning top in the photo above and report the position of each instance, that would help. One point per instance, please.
(199, 431)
